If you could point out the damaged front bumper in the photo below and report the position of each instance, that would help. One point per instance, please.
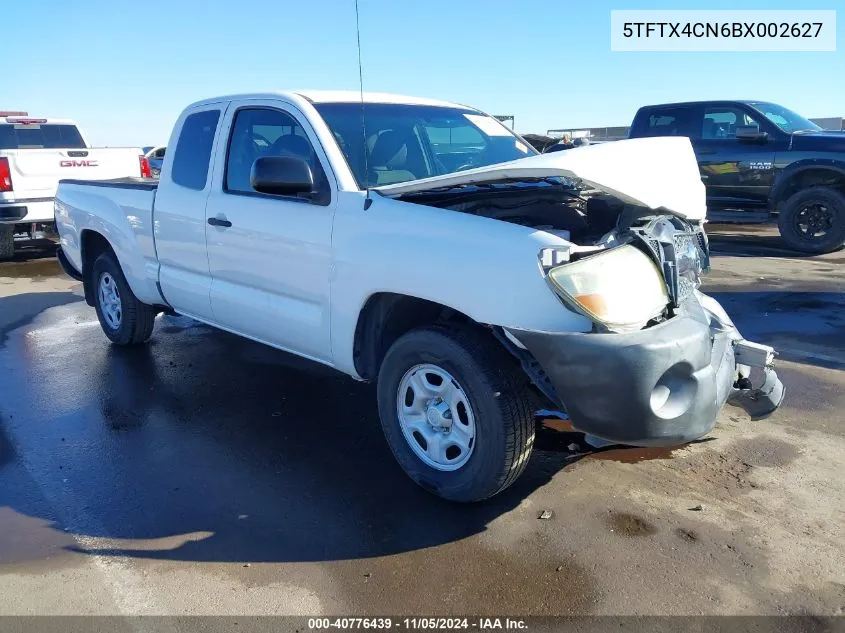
(660, 386)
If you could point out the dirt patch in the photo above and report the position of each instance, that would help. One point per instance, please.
(446, 579)
(716, 472)
(765, 451)
(690, 536)
(628, 524)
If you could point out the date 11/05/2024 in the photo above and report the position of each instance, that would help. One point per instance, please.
(418, 624)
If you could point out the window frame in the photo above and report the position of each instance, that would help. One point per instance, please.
(322, 198)
(215, 107)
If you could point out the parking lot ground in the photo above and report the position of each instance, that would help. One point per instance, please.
(204, 474)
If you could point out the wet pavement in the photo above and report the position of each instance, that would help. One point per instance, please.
(206, 474)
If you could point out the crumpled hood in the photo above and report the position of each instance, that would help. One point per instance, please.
(658, 173)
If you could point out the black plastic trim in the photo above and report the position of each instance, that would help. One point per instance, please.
(67, 267)
(12, 213)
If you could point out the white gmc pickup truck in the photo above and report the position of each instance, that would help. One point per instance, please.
(424, 246)
(34, 155)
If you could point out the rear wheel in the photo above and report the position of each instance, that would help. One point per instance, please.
(124, 319)
(456, 412)
(7, 241)
(813, 220)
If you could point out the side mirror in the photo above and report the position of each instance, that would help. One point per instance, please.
(751, 133)
(281, 176)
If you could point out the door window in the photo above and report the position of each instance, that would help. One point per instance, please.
(721, 123)
(259, 132)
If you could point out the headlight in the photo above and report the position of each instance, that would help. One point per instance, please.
(620, 288)
(690, 262)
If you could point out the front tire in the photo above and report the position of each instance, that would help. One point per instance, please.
(124, 319)
(813, 220)
(7, 241)
(456, 412)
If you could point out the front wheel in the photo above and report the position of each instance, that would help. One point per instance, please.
(456, 412)
(813, 220)
(124, 319)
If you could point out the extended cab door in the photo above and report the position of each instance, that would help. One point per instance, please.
(737, 172)
(179, 212)
(270, 255)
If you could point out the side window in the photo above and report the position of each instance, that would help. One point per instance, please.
(193, 149)
(259, 132)
(159, 153)
(722, 122)
(669, 122)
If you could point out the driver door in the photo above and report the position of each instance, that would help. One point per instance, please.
(738, 173)
(270, 255)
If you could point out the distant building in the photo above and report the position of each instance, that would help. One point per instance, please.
(592, 133)
(830, 123)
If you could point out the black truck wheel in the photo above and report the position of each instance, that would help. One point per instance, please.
(456, 412)
(813, 220)
(124, 319)
(7, 241)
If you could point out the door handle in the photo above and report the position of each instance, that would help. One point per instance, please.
(219, 222)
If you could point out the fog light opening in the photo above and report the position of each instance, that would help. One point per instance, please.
(674, 393)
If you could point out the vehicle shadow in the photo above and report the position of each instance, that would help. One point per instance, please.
(206, 447)
(20, 309)
(745, 242)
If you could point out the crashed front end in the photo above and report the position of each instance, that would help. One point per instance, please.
(663, 357)
(626, 248)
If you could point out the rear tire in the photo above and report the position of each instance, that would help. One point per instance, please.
(493, 404)
(124, 319)
(7, 241)
(813, 220)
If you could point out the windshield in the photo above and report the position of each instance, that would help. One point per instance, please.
(409, 142)
(785, 119)
(40, 136)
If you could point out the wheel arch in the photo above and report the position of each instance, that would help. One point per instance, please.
(805, 174)
(92, 244)
(385, 316)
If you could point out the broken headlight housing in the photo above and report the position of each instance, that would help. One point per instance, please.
(682, 251)
(621, 289)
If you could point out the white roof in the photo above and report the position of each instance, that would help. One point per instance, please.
(335, 96)
(344, 96)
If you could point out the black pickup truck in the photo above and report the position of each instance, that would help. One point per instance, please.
(760, 162)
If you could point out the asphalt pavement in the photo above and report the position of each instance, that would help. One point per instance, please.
(206, 474)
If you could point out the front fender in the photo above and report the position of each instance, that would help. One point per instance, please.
(486, 269)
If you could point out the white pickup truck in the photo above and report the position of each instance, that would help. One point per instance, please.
(424, 246)
(34, 155)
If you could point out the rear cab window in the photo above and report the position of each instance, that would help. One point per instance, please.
(669, 121)
(40, 136)
(192, 155)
